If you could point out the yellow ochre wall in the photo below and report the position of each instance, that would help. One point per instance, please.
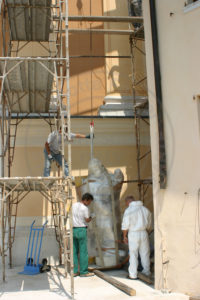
(87, 75)
(114, 145)
(91, 79)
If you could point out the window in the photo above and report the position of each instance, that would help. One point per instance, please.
(191, 4)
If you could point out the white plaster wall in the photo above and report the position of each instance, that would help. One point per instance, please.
(177, 207)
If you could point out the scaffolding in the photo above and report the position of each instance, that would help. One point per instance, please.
(35, 85)
(40, 86)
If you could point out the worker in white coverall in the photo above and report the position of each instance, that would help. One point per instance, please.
(135, 224)
(52, 149)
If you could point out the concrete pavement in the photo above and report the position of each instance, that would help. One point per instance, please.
(53, 285)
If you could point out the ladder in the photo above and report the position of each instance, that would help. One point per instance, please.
(12, 139)
(8, 208)
(62, 209)
(61, 203)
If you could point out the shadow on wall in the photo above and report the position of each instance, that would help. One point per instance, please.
(87, 75)
(86, 44)
(120, 73)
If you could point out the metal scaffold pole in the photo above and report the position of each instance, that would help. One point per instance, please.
(2, 207)
(69, 147)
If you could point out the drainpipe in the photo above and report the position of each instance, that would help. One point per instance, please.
(159, 100)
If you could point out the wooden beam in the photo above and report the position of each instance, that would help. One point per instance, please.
(101, 31)
(145, 278)
(121, 286)
(125, 19)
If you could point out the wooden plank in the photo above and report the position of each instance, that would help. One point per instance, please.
(125, 19)
(121, 286)
(145, 278)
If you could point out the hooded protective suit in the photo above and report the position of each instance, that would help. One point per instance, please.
(137, 220)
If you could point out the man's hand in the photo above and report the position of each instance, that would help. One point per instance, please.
(50, 157)
(125, 240)
(92, 215)
(88, 136)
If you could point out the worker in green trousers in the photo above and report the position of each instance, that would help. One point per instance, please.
(81, 218)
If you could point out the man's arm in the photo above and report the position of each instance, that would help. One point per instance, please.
(77, 136)
(92, 216)
(47, 148)
(86, 215)
(88, 219)
(149, 219)
(51, 137)
(125, 226)
(125, 237)
(80, 136)
(50, 157)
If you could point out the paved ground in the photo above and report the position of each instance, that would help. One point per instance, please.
(54, 286)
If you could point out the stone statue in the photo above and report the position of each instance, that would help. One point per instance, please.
(105, 188)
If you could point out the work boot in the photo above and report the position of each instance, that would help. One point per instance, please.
(132, 278)
(146, 273)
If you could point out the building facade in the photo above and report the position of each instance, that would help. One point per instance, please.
(176, 206)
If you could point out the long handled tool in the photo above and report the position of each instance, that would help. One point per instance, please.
(91, 138)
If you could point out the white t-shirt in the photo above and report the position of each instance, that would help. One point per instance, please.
(136, 217)
(79, 213)
(54, 141)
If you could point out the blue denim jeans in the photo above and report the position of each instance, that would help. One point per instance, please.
(47, 163)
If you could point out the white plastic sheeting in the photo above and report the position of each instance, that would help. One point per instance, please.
(102, 185)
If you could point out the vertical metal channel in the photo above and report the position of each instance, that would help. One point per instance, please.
(60, 82)
(159, 98)
(136, 117)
